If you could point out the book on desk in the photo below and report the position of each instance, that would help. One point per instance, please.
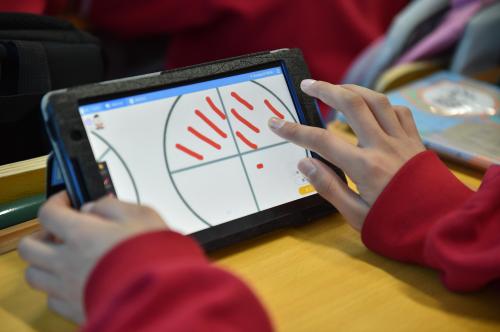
(456, 116)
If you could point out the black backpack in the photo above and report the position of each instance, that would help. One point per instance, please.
(38, 54)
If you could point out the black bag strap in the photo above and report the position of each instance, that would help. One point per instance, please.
(33, 79)
(34, 73)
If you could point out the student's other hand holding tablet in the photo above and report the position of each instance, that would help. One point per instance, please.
(387, 138)
(61, 267)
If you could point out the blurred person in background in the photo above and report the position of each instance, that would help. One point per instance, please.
(331, 33)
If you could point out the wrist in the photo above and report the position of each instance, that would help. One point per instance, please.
(418, 194)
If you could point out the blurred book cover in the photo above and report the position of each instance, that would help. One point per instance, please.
(456, 116)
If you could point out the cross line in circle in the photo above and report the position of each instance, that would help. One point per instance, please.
(238, 149)
(180, 170)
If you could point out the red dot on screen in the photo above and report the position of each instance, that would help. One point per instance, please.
(260, 166)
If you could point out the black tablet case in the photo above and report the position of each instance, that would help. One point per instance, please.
(231, 232)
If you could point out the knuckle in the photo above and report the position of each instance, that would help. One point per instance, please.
(353, 101)
(381, 99)
(321, 141)
(323, 89)
(324, 186)
(293, 130)
(409, 115)
(153, 218)
(350, 86)
(319, 184)
(404, 112)
(330, 187)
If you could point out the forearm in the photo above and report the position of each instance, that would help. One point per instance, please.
(162, 281)
(426, 216)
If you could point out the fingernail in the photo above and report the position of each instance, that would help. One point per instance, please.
(87, 207)
(305, 84)
(307, 167)
(276, 123)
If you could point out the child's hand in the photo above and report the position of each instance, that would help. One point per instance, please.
(387, 136)
(61, 267)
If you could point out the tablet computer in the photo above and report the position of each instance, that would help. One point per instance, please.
(192, 143)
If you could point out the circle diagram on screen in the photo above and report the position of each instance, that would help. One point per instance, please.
(222, 158)
(200, 153)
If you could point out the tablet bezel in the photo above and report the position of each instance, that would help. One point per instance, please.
(79, 168)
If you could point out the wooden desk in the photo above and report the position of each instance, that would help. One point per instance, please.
(317, 277)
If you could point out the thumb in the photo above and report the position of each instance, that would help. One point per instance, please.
(328, 184)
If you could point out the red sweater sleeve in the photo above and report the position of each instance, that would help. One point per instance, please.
(427, 216)
(161, 281)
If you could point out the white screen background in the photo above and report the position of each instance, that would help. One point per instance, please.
(138, 141)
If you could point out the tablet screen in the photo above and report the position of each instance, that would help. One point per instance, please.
(201, 154)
